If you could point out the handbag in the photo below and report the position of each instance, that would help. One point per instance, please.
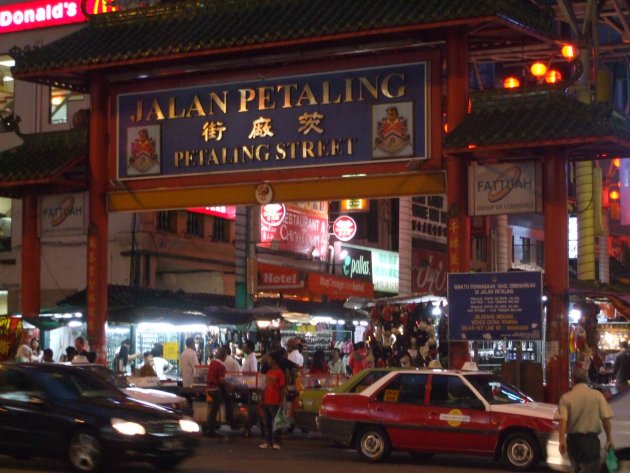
(281, 421)
(611, 461)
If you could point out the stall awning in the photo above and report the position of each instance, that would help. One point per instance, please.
(135, 305)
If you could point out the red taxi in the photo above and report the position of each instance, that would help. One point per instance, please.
(440, 411)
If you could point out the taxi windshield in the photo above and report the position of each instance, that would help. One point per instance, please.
(497, 391)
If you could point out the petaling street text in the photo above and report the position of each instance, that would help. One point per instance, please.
(281, 96)
(285, 151)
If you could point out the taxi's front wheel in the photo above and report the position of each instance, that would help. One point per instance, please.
(373, 444)
(520, 451)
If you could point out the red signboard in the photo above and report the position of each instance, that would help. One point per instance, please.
(338, 288)
(294, 229)
(428, 271)
(10, 336)
(344, 228)
(277, 277)
(46, 13)
(222, 211)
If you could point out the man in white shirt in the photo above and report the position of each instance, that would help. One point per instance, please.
(187, 362)
(230, 363)
(294, 353)
(250, 364)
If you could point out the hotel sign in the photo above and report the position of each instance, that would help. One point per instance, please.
(338, 118)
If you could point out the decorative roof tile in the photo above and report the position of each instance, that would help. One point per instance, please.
(41, 158)
(501, 118)
(188, 27)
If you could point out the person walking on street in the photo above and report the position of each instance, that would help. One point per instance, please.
(250, 364)
(621, 368)
(218, 392)
(187, 362)
(582, 412)
(273, 399)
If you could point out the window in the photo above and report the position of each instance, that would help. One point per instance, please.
(368, 380)
(194, 224)
(451, 392)
(5, 224)
(405, 389)
(220, 229)
(6, 86)
(16, 386)
(167, 221)
(525, 243)
(540, 253)
(59, 99)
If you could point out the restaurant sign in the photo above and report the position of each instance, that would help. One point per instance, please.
(45, 13)
(295, 229)
(336, 118)
(495, 306)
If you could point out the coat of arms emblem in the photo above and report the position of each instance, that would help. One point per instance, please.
(143, 152)
(392, 132)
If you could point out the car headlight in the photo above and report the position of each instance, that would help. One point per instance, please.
(128, 428)
(189, 425)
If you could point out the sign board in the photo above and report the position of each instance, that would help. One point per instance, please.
(338, 288)
(64, 215)
(170, 351)
(508, 188)
(227, 212)
(429, 218)
(294, 228)
(428, 271)
(10, 336)
(344, 228)
(334, 118)
(46, 13)
(271, 277)
(495, 306)
(380, 267)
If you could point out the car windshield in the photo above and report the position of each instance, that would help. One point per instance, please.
(107, 375)
(76, 385)
(497, 391)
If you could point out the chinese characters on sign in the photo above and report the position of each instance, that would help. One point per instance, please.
(495, 306)
(347, 117)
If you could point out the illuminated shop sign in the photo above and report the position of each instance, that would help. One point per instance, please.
(294, 228)
(349, 117)
(355, 205)
(344, 228)
(370, 264)
(222, 211)
(43, 14)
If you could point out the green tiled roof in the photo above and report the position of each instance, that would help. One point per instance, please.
(195, 28)
(41, 158)
(500, 118)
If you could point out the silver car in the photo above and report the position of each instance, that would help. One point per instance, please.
(620, 405)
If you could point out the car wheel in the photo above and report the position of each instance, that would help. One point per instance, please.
(85, 452)
(520, 451)
(167, 463)
(373, 444)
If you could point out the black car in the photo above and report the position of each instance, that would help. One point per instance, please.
(56, 410)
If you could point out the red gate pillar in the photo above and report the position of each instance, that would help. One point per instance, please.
(31, 253)
(556, 274)
(97, 268)
(456, 174)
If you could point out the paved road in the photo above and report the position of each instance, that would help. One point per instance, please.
(300, 453)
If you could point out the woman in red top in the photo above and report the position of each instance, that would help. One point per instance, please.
(273, 398)
(319, 364)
